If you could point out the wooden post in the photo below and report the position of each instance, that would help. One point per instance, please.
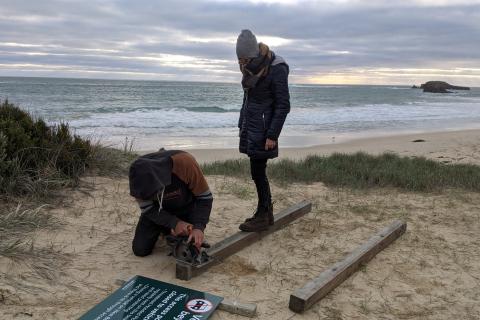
(240, 240)
(240, 308)
(316, 289)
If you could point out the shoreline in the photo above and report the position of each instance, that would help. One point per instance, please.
(402, 144)
(288, 140)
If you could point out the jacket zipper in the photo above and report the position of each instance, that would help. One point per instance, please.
(245, 107)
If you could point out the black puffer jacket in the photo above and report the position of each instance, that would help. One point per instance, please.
(265, 108)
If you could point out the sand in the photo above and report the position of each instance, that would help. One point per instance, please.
(431, 272)
(454, 146)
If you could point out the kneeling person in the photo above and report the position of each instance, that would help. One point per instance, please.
(173, 196)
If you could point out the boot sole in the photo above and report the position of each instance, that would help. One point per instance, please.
(253, 230)
(270, 222)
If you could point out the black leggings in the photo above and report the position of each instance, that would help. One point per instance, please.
(258, 170)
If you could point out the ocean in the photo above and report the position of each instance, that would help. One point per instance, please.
(169, 114)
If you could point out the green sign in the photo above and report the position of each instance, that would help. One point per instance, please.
(147, 299)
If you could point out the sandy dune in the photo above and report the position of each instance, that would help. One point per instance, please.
(431, 272)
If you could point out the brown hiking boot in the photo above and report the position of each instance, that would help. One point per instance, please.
(269, 213)
(260, 221)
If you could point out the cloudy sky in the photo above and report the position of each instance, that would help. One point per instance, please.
(336, 41)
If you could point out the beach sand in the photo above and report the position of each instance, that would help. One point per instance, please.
(455, 146)
(431, 272)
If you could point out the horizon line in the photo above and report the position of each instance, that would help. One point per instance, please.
(211, 81)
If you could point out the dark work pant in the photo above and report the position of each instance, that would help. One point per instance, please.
(258, 169)
(147, 232)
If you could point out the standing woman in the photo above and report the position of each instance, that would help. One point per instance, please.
(266, 103)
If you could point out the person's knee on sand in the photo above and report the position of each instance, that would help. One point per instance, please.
(139, 250)
(146, 234)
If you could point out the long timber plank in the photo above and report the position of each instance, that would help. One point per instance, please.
(240, 240)
(316, 289)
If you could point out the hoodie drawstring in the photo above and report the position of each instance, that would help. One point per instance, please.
(160, 200)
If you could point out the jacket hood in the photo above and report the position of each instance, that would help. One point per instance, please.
(149, 174)
(277, 60)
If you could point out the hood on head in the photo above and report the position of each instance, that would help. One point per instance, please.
(149, 175)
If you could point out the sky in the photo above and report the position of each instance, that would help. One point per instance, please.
(324, 42)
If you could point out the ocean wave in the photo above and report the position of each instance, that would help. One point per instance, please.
(398, 88)
(125, 109)
(159, 119)
(211, 109)
(171, 120)
(317, 86)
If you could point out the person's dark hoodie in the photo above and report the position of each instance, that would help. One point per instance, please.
(167, 183)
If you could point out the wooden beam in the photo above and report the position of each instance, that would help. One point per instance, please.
(240, 240)
(235, 307)
(316, 289)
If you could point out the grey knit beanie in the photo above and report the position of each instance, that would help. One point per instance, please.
(247, 46)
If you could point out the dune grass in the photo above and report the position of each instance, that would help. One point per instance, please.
(36, 162)
(36, 159)
(21, 221)
(361, 170)
(17, 229)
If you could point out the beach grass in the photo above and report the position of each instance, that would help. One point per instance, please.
(36, 158)
(37, 162)
(361, 170)
(17, 229)
(21, 221)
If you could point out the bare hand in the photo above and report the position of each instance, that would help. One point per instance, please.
(182, 228)
(197, 236)
(270, 144)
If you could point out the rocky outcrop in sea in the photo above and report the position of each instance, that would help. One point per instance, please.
(439, 87)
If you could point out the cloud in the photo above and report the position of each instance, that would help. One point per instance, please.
(191, 40)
